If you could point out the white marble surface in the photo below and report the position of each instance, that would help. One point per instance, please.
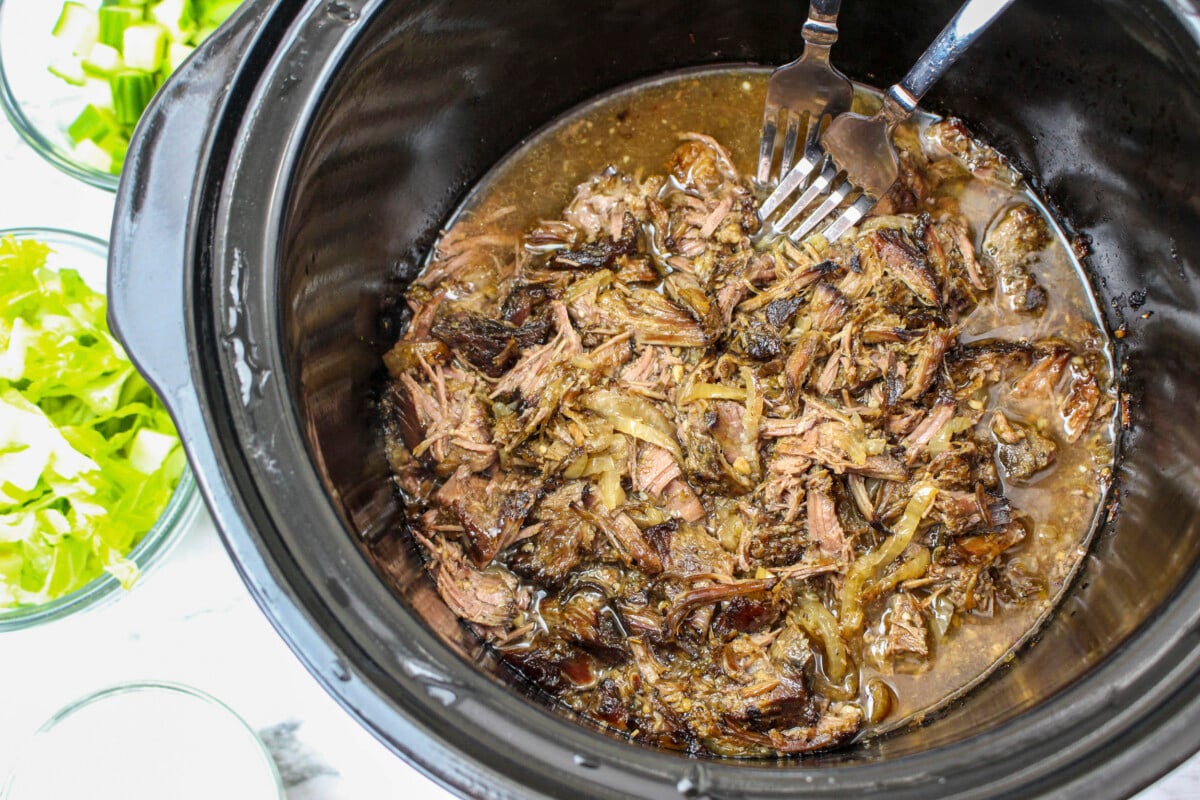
(191, 620)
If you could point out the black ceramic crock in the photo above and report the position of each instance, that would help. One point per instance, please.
(290, 179)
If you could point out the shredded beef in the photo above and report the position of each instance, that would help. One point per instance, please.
(687, 484)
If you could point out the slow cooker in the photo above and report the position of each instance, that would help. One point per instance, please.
(288, 182)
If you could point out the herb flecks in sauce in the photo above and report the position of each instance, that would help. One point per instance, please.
(745, 500)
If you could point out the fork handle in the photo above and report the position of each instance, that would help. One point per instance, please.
(960, 33)
(821, 27)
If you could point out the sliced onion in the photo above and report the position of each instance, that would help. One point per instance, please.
(712, 391)
(634, 416)
(865, 568)
(941, 440)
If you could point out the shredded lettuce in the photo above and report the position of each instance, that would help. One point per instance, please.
(89, 457)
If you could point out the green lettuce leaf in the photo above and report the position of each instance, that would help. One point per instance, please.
(89, 457)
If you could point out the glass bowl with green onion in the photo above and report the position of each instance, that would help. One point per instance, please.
(94, 485)
(76, 76)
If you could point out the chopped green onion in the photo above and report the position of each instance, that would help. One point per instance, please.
(93, 123)
(102, 61)
(113, 22)
(78, 27)
(131, 93)
(70, 70)
(145, 46)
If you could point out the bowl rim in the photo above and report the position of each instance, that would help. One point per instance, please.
(137, 686)
(176, 518)
(36, 139)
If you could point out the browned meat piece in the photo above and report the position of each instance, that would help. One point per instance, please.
(491, 512)
(761, 342)
(487, 597)
(602, 252)
(790, 285)
(535, 370)
(828, 308)
(626, 538)
(692, 599)
(682, 501)
(978, 364)
(444, 425)
(701, 163)
(745, 615)
(824, 529)
(952, 257)
(600, 204)
(808, 349)
(780, 312)
(608, 707)
(1080, 402)
(959, 511)
(727, 428)
(825, 445)
(983, 161)
(791, 652)
(1013, 244)
(962, 568)
(687, 293)
(489, 345)
(1020, 449)
(901, 259)
(917, 442)
(652, 318)
(695, 552)
(706, 456)
(837, 724)
(524, 300)
(1041, 379)
(905, 632)
(656, 468)
(551, 555)
(583, 617)
(929, 361)
(555, 666)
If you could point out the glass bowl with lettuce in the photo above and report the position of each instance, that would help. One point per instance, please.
(76, 76)
(94, 485)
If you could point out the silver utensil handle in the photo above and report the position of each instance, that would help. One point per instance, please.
(821, 27)
(959, 34)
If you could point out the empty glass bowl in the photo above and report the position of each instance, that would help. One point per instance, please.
(138, 741)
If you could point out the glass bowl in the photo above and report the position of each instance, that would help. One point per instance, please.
(88, 255)
(40, 105)
(150, 739)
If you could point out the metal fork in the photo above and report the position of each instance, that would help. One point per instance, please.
(802, 93)
(861, 147)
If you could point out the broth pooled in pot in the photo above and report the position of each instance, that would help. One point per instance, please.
(739, 499)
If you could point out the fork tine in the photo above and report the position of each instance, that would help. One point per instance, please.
(790, 137)
(815, 189)
(766, 145)
(849, 218)
(792, 181)
(831, 202)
